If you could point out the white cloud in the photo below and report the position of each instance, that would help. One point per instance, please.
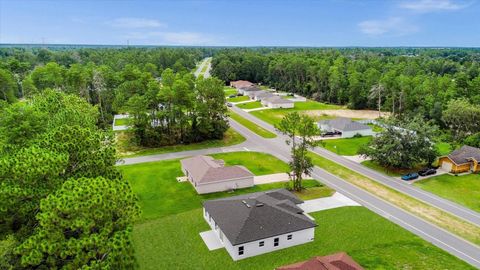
(132, 23)
(172, 38)
(424, 6)
(394, 25)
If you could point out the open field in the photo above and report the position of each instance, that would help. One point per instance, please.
(250, 105)
(167, 234)
(347, 146)
(432, 214)
(274, 116)
(238, 99)
(160, 194)
(463, 189)
(252, 126)
(173, 242)
(126, 148)
(229, 91)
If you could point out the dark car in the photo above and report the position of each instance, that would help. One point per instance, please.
(410, 176)
(229, 104)
(427, 171)
(328, 134)
(232, 96)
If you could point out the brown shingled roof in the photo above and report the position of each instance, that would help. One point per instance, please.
(337, 261)
(464, 154)
(205, 169)
(241, 84)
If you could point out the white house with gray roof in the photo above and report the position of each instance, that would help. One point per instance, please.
(276, 102)
(346, 127)
(209, 175)
(256, 223)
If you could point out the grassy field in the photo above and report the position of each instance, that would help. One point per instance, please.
(432, 214)
(229, 91)
(122, 122)
(250, 105)
(346, 147)
(126, 148)
(252, 126)
(238, 99)
(274, 116)
(160, 194)
(167, 234)
(463, 189)
(173, 242)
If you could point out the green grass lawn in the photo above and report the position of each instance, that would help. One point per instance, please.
(122, 122)
(375, 128)
(126, 148)
(347, 146)
(238, 99)
(173, 242)
(463, 189)
(250, 105)
(252, 126)
(444, 148)
(229, 91)
(274, 116)
(160, 194)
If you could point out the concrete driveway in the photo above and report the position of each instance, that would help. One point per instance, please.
(211, 239)
(273, 178)
(334, 201)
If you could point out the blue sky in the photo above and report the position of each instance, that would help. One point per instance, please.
(243, 23)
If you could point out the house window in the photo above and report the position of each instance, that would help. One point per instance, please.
(289, 237)
(276, 241)
(261, 243)
(240, 250)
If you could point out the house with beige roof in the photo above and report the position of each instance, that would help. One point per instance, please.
(208, 175)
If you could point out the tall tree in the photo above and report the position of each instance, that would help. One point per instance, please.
(300, 130)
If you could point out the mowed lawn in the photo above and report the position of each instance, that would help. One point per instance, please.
(167, 235)
(174, 242)
(250, 105)
(238, 99)
(229, 91)
(122, 122)
(347, 146)
(274, 116)
(463, 189)
(160, 194)
(252, 126)
(126, 148)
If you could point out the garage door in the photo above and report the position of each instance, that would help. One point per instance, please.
(447, 166)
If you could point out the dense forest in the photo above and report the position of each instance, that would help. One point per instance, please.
(399, 80)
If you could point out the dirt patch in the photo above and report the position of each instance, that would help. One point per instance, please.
(361, 114)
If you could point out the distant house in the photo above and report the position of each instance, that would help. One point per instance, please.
(337, 261)
(263, 95)
(346, 127)
(276, 102)
(253, 94)
(247, 89)
(461, 160)
(241, 84)
(208, 175)
(257, 223)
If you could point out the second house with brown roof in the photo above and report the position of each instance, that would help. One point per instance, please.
(209, 175)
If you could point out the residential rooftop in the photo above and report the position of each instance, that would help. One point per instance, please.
(206, 169)
(344, 124)
(464, 154)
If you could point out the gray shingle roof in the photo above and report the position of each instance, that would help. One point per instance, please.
(250, 88)
(344, 124)
(278, 100)
(255, 216)
(464, 154)
(205, 169)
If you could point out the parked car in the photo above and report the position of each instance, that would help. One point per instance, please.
(229, 104)
(239, 94)
(232, 96)
(410, 176)
(328, 134)
(427, 171)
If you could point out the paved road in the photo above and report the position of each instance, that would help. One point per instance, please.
(413, 191)
(204, 62)
(277, 147)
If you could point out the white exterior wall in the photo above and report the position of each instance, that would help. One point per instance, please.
(223, 186)
(281, 105)
(251, 249)
(364, 132)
